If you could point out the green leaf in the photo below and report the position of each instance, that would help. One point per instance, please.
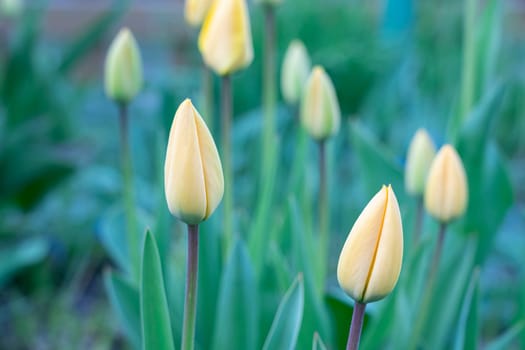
(318, 343)
(124, 299)
(376, 165)
(156, 325)
(467, 329)
(487, 173)
(452, 284)
(19, 256)
(236, 323)
(287, 322)
(504, 341)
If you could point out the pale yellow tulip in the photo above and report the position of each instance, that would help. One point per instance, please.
(370, 262)
(294, 72)
(195, 11)
(225, 40)
(421, 152)
(446, 191)
(320, 113)
(193, 178)
(123, 68)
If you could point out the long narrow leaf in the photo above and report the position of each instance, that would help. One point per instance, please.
(156, 325)
(287, 322)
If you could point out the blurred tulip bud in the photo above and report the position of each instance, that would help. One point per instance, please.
(294, 72)
(11, 8)
(446, 191)
(421, 152)
(320, 113)
(193, 179)
(370, 262)
(123, 70)
(195, 11)
(225, 40)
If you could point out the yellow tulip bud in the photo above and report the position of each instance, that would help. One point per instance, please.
(446, 191)
(421, 152)
(370, 262)
(195, 11)
(320, 113)
(225, 40)
(123, 70)
(294, 72)
(193, 179)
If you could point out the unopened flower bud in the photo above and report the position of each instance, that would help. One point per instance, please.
(421, 152)
(123, 70)
(320, 113)
(195, 11)
(225, 40)
(370, 262)
(193, 179)
(294, 72)
(446, 191)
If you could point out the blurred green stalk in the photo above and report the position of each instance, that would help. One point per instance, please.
(129, 193)
(422, 315)
(226, 124)
(324, 209)
(418, 225)
(269, 140)
(190, 297)
(269, 95)
(356, 326)
(207, 96)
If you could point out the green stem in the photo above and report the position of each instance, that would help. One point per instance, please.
(422, 315)
(357, 325)
(226, 121)
(324, 209)
(269, 93)
(128, 192)
(418, 225)
(190, 297)
(207, 87)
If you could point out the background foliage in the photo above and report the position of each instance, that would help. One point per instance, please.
(453, 67)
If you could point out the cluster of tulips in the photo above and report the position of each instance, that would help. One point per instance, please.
(196, 180)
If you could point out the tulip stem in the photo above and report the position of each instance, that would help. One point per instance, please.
(190, 297)
(269, 94)
(356, 326)
(324, 221)
(226, 121)
(207, 87)
(418, 226)
(128, 191)
(429, 288)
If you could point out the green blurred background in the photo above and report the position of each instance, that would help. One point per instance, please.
(396, 65)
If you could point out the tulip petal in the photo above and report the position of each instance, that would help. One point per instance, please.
(212, 168)
(389, 253)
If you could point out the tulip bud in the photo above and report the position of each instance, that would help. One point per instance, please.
(370, 262)
(193, 179)
(294, 72)
(421, 152)
(195, 11)
(123, 70)
(225, 40)
(446, 191)
(320, 114)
